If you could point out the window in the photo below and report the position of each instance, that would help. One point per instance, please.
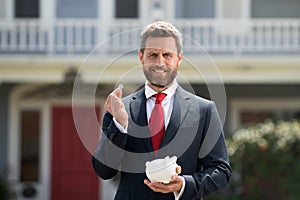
(195, 8)
(245, 111)
(275, 8)
(76, 8)
(30, 144)
(3, 8)
(27, 8)
(232, 8)
(250, 116)
(126, 9)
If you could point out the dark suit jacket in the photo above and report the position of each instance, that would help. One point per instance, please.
(194, 135)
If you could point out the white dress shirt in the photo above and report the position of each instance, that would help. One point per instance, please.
(167, 103)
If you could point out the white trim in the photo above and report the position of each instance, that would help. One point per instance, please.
(47, 11)
(106, 10)
(170, 9)
(112, 8)
(144, 10)
(10, 4)
(218, 9)
(13, 142)
(246, 9)
(46, 150)
(237, 105)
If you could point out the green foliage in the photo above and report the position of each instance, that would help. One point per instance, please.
(3, 190)
(265, 162)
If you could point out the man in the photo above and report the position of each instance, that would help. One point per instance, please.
(188, 121)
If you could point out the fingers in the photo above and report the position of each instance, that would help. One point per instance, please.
(115, 102)
(112, 103)
(116, 107)
(160, 187)
(112, 99)
(176, 178)
(107, 104)
(118, 92)
(174, 186)
(157, 187)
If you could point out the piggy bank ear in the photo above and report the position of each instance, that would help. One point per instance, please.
(147, 163)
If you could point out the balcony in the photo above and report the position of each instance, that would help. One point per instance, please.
(76, 36)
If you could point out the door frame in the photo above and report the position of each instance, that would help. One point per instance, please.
(16, 106)
(44, 106)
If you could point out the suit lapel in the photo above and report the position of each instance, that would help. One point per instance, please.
(137, 106)
(180, 109)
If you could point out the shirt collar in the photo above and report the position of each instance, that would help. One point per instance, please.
(170, 91)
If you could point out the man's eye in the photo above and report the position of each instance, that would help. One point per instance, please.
(167, 55)
(153, 55)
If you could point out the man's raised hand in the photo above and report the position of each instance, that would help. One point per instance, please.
(115, 106)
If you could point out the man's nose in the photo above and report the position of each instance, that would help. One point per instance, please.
(161, 60)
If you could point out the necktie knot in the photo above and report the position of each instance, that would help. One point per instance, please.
(159, 97)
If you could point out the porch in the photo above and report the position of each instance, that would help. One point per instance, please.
(80, 36)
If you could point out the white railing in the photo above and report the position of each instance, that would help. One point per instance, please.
(215, 36)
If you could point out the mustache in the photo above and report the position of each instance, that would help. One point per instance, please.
(159, 67)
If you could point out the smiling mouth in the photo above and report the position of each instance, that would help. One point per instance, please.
(159, 70)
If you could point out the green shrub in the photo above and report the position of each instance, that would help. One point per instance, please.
(3, 190)
(266, 162)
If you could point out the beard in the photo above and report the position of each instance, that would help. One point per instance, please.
(159, 76)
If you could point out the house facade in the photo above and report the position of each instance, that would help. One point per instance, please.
(59, 60)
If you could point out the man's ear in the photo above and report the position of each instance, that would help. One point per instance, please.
(140, 54)
(180, 55)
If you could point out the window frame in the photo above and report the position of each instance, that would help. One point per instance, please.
(238, 105)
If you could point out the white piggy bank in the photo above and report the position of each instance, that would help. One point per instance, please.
(161, 170)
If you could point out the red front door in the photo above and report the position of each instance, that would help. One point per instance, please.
(72, 175)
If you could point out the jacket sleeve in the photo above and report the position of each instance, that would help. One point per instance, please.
(108, 156)
(214, 170)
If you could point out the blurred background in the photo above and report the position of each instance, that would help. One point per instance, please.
(250, 47)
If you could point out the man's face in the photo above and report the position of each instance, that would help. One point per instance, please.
(160, 61)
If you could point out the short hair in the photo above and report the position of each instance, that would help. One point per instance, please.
(161, 29)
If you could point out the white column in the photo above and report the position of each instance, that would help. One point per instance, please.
(157, 9)
(106, 9)
(46, 141)
(9, 5)
(246, 9)
(144, 10)
(48, 17)
(170, 10)
(106, 17)
(47, 10)
(219, 8)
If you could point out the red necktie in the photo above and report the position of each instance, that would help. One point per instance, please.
(156, 122)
